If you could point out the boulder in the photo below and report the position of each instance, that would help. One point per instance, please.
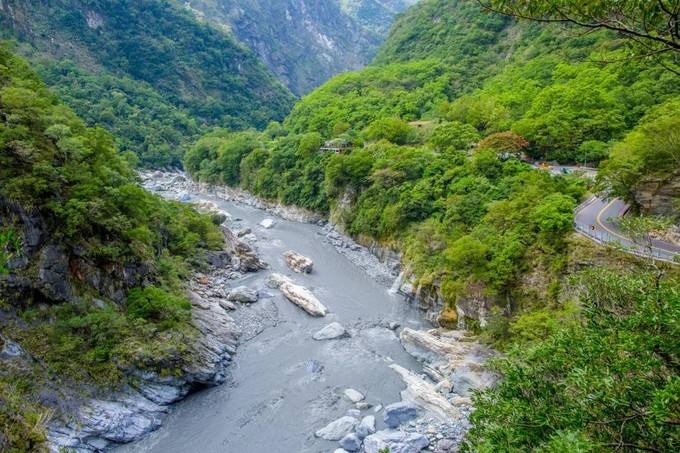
(332, 331)
(268, 223)
(297, 262)
(398, 413)
(299, 295)
(427, 347)
(350, 442)
(395, 442)
(227, 305)
(467, 378)
(356, 413)
(219, 259)
(337, 429)
(242, 232)
(366, 427)
(243, 294)
(354, 395)
(424, 394)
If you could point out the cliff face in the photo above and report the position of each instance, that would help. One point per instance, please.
(659, 196)
(47, 273)
(305, 42)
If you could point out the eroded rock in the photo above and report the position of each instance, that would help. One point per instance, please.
(354, 395)
(398, 413)
(243, 294)
(298, 262)
(299, 295)
(332, 331)
(395, 442)
(337, 429)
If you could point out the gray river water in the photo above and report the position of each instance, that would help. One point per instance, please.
(284, 385)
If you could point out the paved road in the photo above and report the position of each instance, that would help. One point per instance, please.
(598, 219)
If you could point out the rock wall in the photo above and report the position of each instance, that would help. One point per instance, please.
(659, 196)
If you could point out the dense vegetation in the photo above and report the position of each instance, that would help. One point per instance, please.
(91, 205)
(651, 150)
(450, 61)
(170, 72)
(141, 120)
(607, 381)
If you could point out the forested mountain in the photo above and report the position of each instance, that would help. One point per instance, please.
(146, 70)
(305, 42)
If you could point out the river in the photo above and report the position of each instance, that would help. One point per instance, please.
(283, 385)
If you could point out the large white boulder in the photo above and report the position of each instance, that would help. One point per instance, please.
(298, 262)
(299, 295)
(337, 429)
(425, 395)
(395, 442)
(354, 395)
(268, 223)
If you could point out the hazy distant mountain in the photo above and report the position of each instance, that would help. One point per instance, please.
(305, 42)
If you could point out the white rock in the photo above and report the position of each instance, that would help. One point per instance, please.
(332, 331)
(298, 262)
(423, 394)
(356, 413)
(299, 295)
(268, 223)
(396, 442)
(354, 395)
(338, 429)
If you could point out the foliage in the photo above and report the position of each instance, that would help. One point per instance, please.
(652, 27)
(22, 423)
(651, 150)
(453, 136)
(393, 130)
(158, 305)
(142, 120)
(92, 206)
(607, 382)
(170, 74)
(9, 244)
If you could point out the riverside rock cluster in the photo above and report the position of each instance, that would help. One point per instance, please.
(134, 412)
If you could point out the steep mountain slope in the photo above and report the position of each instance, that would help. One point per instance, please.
(376, 15)
(140, 47)
(305, 42)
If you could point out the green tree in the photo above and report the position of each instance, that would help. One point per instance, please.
(609, 382)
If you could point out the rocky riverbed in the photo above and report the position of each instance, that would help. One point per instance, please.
(333, 361)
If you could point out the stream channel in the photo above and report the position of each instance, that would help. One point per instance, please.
(284, 385)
